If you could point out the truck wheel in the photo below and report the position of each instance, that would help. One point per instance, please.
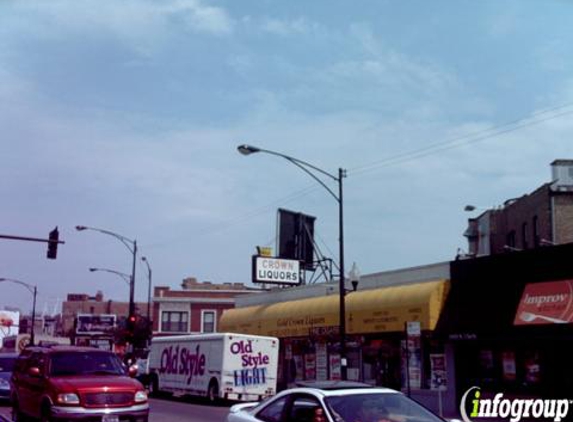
(46, 415)
(213, 391)
(17, 415)
(153, 386)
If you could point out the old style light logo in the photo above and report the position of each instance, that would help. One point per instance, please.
(513, 409)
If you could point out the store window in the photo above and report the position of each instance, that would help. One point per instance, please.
(175, 322)
(208, 321)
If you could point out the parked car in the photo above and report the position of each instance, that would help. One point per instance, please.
(76, 383)
(332, 401)
(7, 361)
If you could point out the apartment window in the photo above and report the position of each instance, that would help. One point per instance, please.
(174, 322)
(208, 321)
(524, 236)
(535, 226)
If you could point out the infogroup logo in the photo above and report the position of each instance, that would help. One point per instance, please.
(513, 409)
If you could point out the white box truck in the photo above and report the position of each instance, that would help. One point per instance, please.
(221, 365)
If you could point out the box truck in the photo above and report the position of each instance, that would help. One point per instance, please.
(222, 365)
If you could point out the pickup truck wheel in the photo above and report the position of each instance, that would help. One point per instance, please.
(17, 415)
(46, 415)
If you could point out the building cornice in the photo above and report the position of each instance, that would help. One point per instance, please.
(193, 300)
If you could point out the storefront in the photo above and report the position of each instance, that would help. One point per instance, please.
(378, 350)
(507, 321)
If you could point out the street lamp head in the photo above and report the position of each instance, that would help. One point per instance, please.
(80, 228)
(354, 276)
(93, 269)
(247, 149)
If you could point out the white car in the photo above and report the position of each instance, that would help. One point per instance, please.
(334, 401)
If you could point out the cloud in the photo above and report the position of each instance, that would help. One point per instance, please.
(141, 24)
(285, 27)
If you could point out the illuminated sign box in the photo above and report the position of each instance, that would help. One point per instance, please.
(275, 270)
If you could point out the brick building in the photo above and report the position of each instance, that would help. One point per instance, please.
(543, 217)
(197, 308)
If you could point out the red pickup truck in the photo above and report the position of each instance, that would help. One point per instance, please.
(76, 383)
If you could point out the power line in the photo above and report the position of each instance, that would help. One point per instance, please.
(465, 139)
(434, 148)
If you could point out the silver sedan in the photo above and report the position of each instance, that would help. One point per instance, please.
(334, 402)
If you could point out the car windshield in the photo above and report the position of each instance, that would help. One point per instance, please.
(7, 364)
(95, 363)
(378, 407)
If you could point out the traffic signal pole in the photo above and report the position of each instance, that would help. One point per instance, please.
(53, 241)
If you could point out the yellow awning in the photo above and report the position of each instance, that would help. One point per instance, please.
(384, 309)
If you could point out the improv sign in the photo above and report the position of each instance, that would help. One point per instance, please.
(546, 303)
(275, 270)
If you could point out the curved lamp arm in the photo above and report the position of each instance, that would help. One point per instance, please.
(129, 244)
(303, 165)
(126, 277)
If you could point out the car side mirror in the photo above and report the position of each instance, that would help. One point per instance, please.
(35, 372)
(132, 371)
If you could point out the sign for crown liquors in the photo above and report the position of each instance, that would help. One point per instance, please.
(276, 270)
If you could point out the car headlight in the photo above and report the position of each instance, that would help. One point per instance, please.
(4, 383)
(140, 397)
(68, 398)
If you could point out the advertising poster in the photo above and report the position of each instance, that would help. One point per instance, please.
(335, 371)
(508, 365)
(412, 363)
(321, 362)
(310, 366)
(438, 372)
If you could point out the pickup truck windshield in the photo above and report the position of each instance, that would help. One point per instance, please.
(90, 363)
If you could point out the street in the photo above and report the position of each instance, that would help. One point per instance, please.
(172, 410)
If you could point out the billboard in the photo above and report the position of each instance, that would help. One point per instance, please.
(9, 324)
(91, 325)
(296, 237)
(275, 270)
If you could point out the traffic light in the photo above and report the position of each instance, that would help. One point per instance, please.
(131, 324)
(53, 244)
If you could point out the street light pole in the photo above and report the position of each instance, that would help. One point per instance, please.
(308, 168)
(131, 245)
(34, 290)
(144, 259)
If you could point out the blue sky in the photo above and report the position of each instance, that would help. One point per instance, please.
(126, 116)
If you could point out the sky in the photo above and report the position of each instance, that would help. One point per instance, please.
(126, 116)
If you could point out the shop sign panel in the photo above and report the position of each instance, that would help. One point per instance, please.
(546, 303)
(90, 324)
(387, 320)
(9, 324)
(275, 270)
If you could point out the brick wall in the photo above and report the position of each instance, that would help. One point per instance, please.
(563, 217)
